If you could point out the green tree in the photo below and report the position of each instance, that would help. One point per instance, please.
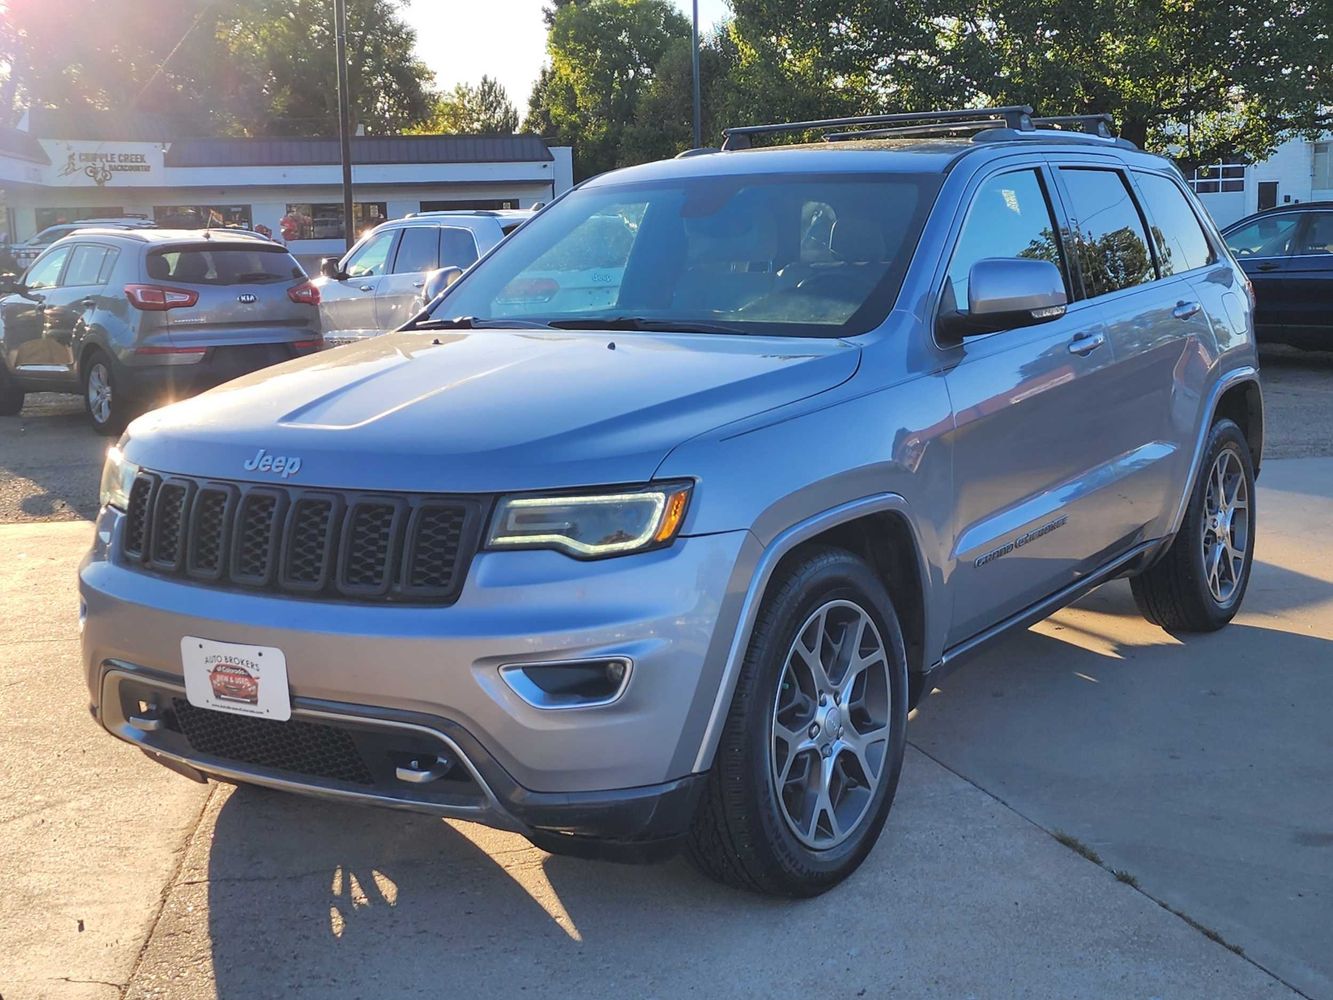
(604, 55)
(1206, 74)
(249, 67)
(481, 110)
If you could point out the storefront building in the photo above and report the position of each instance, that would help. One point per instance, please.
(61, 167)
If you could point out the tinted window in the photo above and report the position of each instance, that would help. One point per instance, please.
(372, 257)
(418, 250)
(1181, 243)
(457, 248)
(1009, 217)
(46, 270)
(718, 252)
(223, 266)
(1110, 242)
(1269, 236)
(1317, 237)
(85, 265)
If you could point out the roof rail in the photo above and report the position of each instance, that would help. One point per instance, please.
(1014, 116)
(1091, 124)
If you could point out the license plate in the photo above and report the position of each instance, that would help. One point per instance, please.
(232, 677)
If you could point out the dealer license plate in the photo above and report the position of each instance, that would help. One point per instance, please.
(233, 677)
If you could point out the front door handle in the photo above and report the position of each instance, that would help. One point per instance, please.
(367, 288)
(88, 303)
(1184, 310)
(1085, 343)
(1267, 267)
(418, 284)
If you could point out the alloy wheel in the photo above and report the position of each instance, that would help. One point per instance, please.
(99, 392)
(1226, 526)
(830, 727)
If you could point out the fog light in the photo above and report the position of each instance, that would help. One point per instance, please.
(569, 683)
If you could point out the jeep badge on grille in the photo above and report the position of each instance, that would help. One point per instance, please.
(284, 465)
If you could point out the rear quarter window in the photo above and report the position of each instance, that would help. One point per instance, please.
(1180, 240)
(223, 265)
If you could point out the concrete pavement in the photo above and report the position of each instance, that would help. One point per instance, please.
(1202, 780)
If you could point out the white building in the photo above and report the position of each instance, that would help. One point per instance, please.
(64, 166)
(1297, 172)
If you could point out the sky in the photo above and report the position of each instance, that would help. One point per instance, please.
(462, 39)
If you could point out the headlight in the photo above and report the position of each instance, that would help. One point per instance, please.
(117, 477)
(593, 525)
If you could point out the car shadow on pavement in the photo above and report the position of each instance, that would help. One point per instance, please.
(50, 461)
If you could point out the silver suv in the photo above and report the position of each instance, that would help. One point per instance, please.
(30, 249)
(671, 566)
(380, 283)
(128, 318)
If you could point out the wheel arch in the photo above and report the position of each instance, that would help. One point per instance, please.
(879, 528)
(1244, 404)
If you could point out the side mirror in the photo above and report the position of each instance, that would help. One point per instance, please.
(328, 267)
(1004, 293)
(10, 284)
(438, 281)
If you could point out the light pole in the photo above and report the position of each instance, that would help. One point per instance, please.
(694, 64)
(344, 115)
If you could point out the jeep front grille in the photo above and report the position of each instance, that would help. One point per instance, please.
(322, 544)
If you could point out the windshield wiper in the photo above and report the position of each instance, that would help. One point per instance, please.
(476, 323)
(641, 323)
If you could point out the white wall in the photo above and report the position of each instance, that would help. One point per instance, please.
(1291, 166)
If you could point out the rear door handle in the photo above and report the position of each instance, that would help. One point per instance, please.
(1267, 267)
(418, 284)
(1085, 343)
(88, 303)
(1184, 310)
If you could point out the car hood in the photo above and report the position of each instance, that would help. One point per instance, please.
(484, 411)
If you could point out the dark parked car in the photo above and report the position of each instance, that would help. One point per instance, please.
(1287, 253)
(133, 317)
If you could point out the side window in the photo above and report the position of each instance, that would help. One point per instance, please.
(1180, 240)
(372, 257)
(45, 271)
(1111, 244)
(85, 265)
(418, 250)
(1317, 237)
(1009, 217)
(1269, 236)
(457, 248)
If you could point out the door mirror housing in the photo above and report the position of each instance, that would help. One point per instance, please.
(1005, 293)
(438, 281)
(12, 284)
(328, 267)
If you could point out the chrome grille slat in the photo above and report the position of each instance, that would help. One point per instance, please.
(318, 544)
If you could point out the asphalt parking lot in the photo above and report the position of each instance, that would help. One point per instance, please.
(1093, 809)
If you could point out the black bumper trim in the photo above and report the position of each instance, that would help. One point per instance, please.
(632, 823)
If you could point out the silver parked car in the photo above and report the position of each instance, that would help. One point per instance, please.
(129, 318)
(669, 566)
(380, 283)
(30, 249)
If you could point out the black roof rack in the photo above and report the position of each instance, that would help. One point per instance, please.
(1091, 124)
(1014, 116)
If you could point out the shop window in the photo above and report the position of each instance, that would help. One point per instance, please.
(56, 216)
(481, 205)
(202, 216)
(325, 221)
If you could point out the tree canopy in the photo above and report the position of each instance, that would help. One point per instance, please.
(248, 67)
(481, 110)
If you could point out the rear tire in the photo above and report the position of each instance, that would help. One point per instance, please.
(11, 396)
(808, 763)
(1200, 581)
(104, 404)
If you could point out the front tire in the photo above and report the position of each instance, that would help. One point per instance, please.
(808, 763)
(11, 396)
(102, 400)
(1199, 583)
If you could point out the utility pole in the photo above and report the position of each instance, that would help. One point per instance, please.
(344, 115)
(694, 62)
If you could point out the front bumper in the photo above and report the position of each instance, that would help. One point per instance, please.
(616, 771)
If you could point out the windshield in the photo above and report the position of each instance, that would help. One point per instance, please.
(807, 255)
